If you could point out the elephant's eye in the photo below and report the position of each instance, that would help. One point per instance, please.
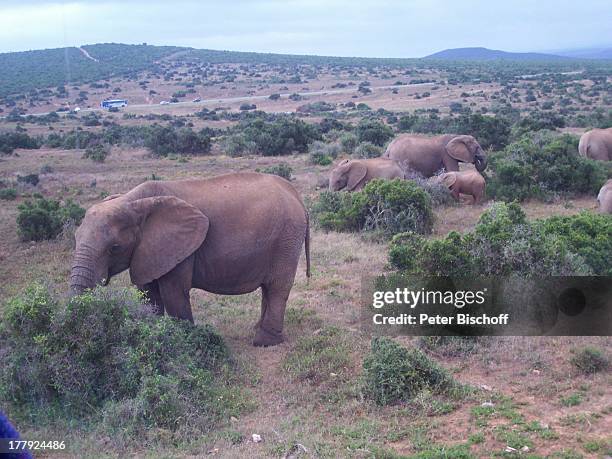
(115, 249)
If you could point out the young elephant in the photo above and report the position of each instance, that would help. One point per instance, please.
(465, 182)
(353, 174)
(604, 198)
(228, 235)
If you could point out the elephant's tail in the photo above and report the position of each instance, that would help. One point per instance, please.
(307, 244)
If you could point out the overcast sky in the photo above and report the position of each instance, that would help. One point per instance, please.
(377, 28)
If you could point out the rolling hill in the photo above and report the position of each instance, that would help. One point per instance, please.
(485, 54)
(25, 71)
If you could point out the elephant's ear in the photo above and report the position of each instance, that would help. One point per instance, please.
(458, 149)
(448, 179)
(171, 230)
(356, 173)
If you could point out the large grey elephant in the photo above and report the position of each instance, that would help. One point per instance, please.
(596, 144)
(229, 235)
(353, 174)
(427, 155)
(604, 198)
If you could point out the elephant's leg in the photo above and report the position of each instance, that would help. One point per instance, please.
(270, 327)
(264, 307)
(174, 290)
(152, 292)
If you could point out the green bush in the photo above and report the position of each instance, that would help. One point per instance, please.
(282, 136)
(373, 131)
(540, 165)
(504, 243)
(164, 140)
(340, 211)
(590, 360)
(104, 355)
(393, 373)
(45, 218)
(30, 179)
(368, 150)
(283, 170)
(322, 153)
(9, 141)
(97, 153)
(237, 145)
(386, 207)
(8, 194)
(348, 141)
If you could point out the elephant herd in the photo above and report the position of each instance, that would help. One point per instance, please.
(235, 233)
(410, 154)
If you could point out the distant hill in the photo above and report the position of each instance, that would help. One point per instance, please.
(485, 54)
(25, 71)
(589, 53)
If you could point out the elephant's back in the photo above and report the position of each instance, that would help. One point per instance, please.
(410, 144)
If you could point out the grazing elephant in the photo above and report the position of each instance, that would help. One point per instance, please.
(604, 198)
(353, 174)
(229, 235)
(427, 155)
(596, 144)
(464, 182)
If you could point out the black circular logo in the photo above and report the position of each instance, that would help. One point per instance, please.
(571, 301)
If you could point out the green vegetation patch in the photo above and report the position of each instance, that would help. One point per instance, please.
(45, 218)
(104, 357)
(393, 373)
(590, 360)
(543, 165)
(504, 242)
(386, 207)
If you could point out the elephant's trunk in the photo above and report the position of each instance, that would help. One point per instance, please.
(480, 161)
(82, 275)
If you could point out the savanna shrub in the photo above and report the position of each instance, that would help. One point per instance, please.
(283, 170)
(367, 150)
(30, 179)
(8, 194)
(45, 218)
(504, 243)
(9, 141)
(163, 140)
(280, 137)
(386, 207)
(395, 206)
(104, 355)
(238, 145)
(540, 165)
(349, 142)
(373, 131)
(322, 153)
(590, 360)
(97, 153)
(393, 373)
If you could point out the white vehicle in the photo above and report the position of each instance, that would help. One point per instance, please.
(197, 99)
(164, 102)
